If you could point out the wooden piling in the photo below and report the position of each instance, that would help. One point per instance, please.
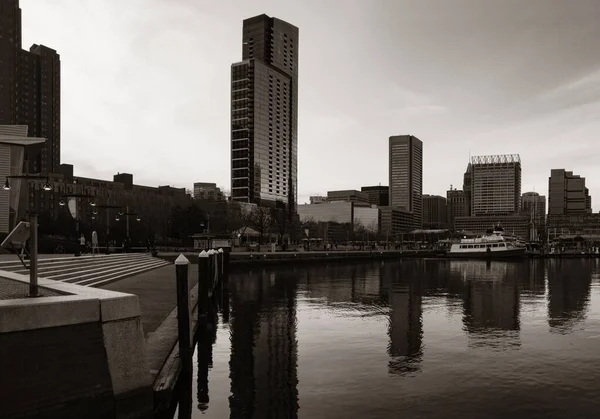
(183, 312)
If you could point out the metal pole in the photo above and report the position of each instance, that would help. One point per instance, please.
(33, 279)
(127, 215)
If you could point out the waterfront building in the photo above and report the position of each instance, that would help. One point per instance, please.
(533, 205)
(496, 184)
(30, 90)
(349, 196)
(567, 194)
(435, 212)
(457, 205)
(378, 195)
(493, 190)
(264, 114)
(406, 175)
(207, 192)
(569, 205)
(394, 221)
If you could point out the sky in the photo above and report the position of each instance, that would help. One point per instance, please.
(146, 85)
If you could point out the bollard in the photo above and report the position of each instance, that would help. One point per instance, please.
(211, 271)
(221, 262)
(225, 284)
(183, 312)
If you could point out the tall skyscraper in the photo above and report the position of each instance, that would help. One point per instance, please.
(532, 203)
(567, 194)
(264, 114)
(30, 89)
(496, 185)
(406, 175)
(435, 212)
(457, 205)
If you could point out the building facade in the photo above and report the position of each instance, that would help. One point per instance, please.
(349, 196)
(30, 90)
(406, 175)
(457, 205)
(534, 205)
(567, 193)
(264, 114)
(207, 192)
(394, 221)
(496, 185)
(378, 195)
(435, 212)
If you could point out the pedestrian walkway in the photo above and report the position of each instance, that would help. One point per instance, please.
(92, 271)
(156, 291)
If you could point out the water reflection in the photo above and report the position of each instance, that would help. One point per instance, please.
(568, 294)
(491, 303)
(387, 321)
(264, 350)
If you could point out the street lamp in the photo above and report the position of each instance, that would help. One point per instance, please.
(33, 227)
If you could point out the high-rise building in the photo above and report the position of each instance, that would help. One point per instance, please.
(567, 194)
(457, 205)
(435, 212)
(406, 175)
(264, 114)
(378, 195)
(496, 185)
(532, 203)
(468, 187)
(30, 90)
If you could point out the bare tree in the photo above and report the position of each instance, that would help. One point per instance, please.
(261, 221)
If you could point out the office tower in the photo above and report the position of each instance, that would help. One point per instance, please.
(406, 175)
(457, 205)
(567, 194)
(468, 187)
(435, 212)
(264, 114)
(496, 185)
(30, 90)
(378, 195)
(532, 203)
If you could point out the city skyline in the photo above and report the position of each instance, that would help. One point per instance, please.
(534, 87)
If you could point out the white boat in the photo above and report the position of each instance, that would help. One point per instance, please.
(491, 245)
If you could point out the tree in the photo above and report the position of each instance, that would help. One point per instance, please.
(261, 221)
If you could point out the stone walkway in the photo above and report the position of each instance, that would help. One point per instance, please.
(12, 290)
(156, 291)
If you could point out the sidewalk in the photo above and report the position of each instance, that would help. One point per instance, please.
(156, 291)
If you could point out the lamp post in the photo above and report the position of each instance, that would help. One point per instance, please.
(62, 203)
(127, 214)
(33, 228)
(108, 208)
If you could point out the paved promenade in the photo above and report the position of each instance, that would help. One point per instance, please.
(156, 291)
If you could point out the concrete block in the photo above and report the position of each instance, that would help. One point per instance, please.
(124, 343)
(39, 313)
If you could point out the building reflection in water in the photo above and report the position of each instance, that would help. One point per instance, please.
(569, 284)
(491, 303)
(406, 318)
(264, 349)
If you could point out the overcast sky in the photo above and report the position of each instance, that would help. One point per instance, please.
(145, 86)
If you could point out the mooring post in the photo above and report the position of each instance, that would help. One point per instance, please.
(211, 275)
(203, 275)
(183, 312)
(225, 282)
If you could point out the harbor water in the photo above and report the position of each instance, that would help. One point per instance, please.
(405, 339)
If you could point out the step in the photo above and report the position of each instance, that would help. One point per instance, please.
(64, 267)
(75, 276)
(71, 260)
(125, 274)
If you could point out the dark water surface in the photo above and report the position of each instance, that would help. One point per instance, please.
(410, 339)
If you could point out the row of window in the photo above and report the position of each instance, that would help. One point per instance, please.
(481, 246)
